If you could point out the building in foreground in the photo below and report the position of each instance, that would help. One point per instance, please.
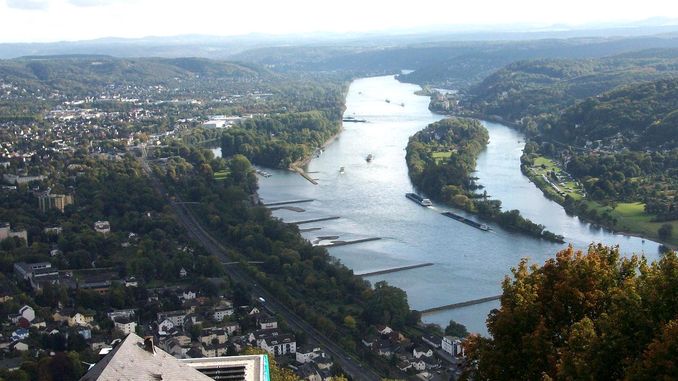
(137, 359)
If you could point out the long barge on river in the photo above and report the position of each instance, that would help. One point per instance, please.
(418, 199)
(465, 220)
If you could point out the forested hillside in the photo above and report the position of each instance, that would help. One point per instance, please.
(640, 115)
(79, 73)
(531, 88)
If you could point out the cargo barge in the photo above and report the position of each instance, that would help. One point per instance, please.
(418, 199)
(465, 220)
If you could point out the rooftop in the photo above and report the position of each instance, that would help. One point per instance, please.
(130, 360)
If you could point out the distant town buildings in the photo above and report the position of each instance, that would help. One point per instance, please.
(7, 232)
(46, 201)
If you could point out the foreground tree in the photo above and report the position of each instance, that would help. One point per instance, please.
(582, 316)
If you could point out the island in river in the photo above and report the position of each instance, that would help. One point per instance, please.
(441, 159)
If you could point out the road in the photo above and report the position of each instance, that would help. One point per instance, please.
(350, 365)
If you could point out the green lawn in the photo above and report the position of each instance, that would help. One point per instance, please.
(543, 165)
(631, 217)
(220, 175)
(441, 155)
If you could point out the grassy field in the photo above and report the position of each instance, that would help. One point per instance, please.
(543, 166)
(631, 218)
(220, 175)
(441, 156)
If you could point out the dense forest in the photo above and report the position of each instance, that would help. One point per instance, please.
(441, 159)
(277, 141)
(536, 87)
(583, 316)
(639, 115)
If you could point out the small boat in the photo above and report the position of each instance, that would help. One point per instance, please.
(418, 199)
(388, 100)
(369, 158)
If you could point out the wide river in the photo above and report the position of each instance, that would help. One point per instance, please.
(370, 199)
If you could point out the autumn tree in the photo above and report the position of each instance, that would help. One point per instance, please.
(582, 316)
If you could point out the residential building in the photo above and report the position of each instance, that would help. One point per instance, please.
(278, 344)
(306, 354)
(268, 323)
(127, 313)
(81, 319)
(48, 201)
(222, 311)
(176, 317)
(7, 232)
(452, 345)
(103, 227)
(125, 325)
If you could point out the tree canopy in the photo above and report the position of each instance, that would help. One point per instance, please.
(591, 315)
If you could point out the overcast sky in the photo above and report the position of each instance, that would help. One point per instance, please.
(56, 20)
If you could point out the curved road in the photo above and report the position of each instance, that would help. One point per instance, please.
(350, 365)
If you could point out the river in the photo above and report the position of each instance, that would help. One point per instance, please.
(370, 199)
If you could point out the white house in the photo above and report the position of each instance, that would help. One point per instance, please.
(80, 319)
(165, 326)
(187, 295)
(452, 345)
(102, 227)
(125, 325)
(307, 354)
(222, 311)
(27, 312)
(418, 352)
(279, 344)
(268, 323)
(231, 328)
(20, 346)
(384, 330)
(176, 317)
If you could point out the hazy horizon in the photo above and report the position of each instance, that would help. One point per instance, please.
(40, 21)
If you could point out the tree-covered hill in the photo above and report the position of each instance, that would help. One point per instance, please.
(78, 73)
(529, 88)
(641, 115)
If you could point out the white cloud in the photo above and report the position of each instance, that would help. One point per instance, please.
(94, 3)
(27, 4)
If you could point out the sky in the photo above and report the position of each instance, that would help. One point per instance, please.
(71, 20)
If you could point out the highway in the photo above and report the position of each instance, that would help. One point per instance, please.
(350, 365)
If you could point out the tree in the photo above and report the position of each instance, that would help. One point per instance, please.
(582, 316)
(456, 329)
(665, 231)
(387, 305)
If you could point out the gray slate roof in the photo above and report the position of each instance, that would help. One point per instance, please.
(130, 361)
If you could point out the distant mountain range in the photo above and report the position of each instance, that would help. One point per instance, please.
(225, 47)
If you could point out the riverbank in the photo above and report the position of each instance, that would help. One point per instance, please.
(300, 165)
(624, 218)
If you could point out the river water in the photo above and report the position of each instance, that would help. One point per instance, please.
(370, 199)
